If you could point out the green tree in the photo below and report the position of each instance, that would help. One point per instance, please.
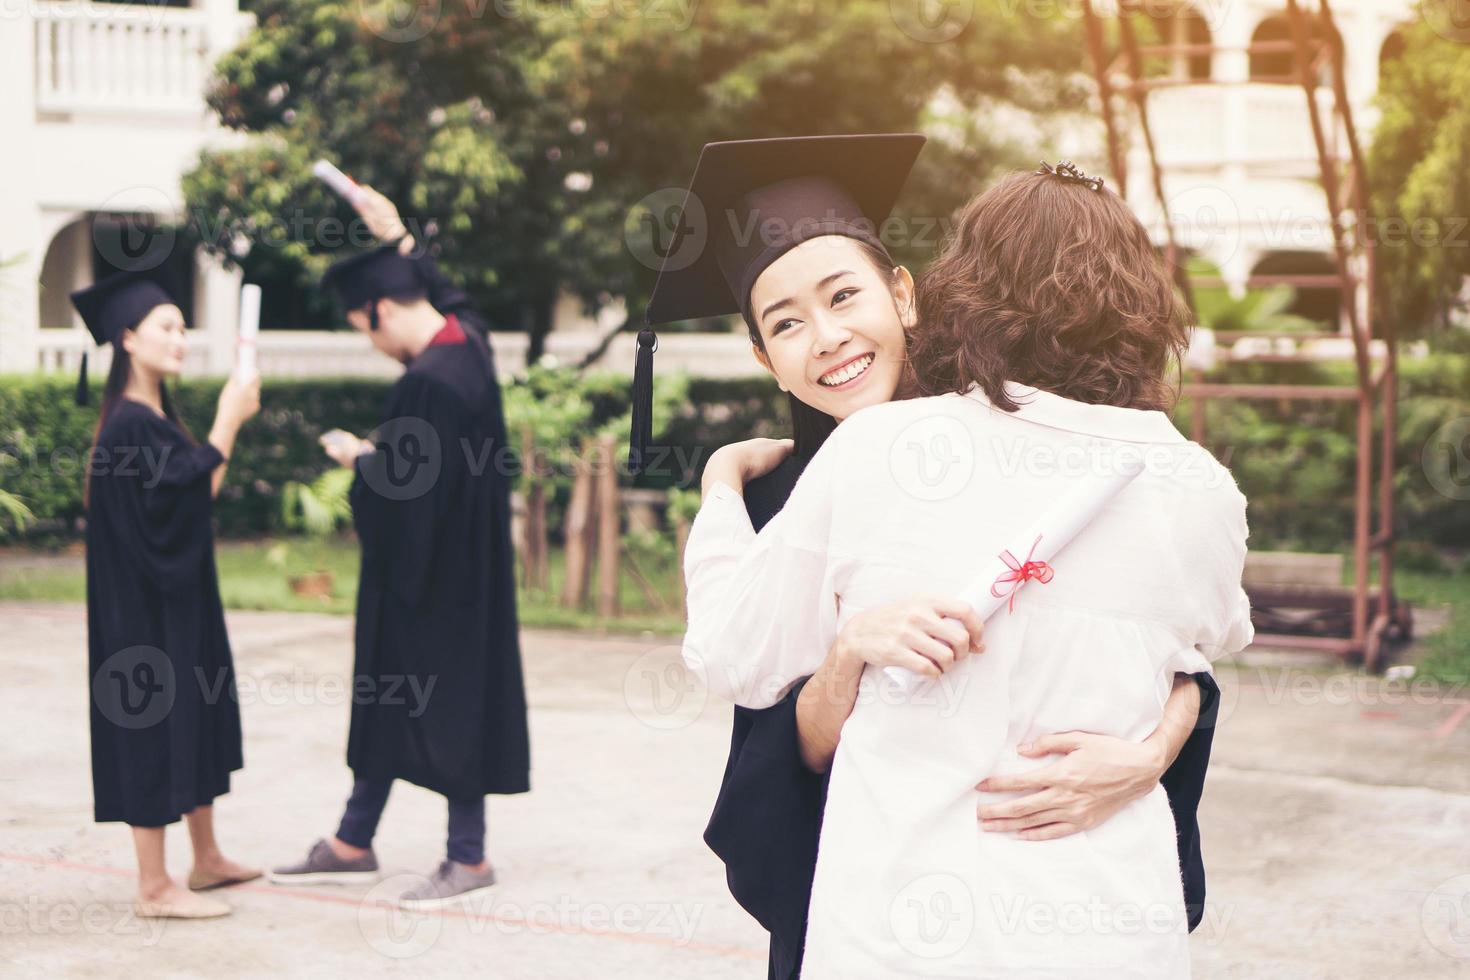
(1420, 184)
(528, 132)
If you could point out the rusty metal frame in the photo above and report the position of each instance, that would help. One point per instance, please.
(1375, 612)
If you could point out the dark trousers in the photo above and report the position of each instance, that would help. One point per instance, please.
(365, 807)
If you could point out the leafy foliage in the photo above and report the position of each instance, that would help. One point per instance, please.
(318, 507)
(1420, 186)
(1294, 461)
(526, 134)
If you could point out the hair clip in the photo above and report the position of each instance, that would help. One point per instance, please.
(1066, 171)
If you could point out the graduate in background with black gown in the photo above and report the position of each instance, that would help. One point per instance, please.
(165, 718)
(438, 693)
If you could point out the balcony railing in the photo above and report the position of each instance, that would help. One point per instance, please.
(1190, 125)
(124, 57)
(344, 353)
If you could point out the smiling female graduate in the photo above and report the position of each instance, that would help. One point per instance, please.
(164, 715)
(828, 312)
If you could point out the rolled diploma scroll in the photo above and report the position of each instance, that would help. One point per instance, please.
(337, 180)
(1053, 531)
(245, 367)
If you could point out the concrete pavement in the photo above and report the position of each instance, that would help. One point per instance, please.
(1336, 825)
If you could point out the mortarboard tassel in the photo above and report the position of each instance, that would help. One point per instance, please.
(642, 434)
(82, 392)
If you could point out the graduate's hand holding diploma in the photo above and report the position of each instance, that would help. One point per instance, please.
(926, 635)
(379, 213)
(382, 219)
(239, 400)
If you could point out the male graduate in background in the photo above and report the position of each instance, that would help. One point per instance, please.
(438, 697)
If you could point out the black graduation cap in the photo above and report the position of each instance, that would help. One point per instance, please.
(749, 203)
(118, 302)
(372, 275)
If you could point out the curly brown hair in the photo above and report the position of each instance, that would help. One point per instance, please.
(1050, 284)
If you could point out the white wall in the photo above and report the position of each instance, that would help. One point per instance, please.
(107, 120)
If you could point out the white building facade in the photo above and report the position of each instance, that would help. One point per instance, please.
(1240, 168)
(103, 111)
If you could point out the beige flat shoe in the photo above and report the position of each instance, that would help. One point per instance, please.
(194, 907)
(201, 881)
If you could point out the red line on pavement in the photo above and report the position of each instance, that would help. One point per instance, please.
(1452, 722)
(303, 892)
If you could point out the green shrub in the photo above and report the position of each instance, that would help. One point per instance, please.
(1295, 461)
(45, 438)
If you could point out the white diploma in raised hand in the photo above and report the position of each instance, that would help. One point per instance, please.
(344, 185)
(245, 339)
(1029, 555)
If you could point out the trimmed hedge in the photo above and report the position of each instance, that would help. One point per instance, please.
(45, 438)
(1293, 460)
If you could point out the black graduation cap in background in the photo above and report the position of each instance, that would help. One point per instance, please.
(113, 304)
(372, 275)
(749, 203)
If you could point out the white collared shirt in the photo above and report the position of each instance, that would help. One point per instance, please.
(903, 500)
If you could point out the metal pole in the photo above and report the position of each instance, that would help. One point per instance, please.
(1105, 94)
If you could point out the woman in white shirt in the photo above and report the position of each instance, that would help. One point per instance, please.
(1048, 325)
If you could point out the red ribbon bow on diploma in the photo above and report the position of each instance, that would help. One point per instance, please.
(1019, 574)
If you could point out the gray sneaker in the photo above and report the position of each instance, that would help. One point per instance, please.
(323, 866)
(453, 882)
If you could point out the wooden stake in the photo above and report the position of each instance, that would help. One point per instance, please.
(536, 542)
(609, 531)
(579, 523)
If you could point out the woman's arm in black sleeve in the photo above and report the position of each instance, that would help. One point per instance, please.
(1184, 781)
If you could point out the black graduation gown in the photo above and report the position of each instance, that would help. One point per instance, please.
(438, 696)
(165, 715)
(768, 815)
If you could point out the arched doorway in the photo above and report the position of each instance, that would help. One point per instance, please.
(1319, 303)
(94, 246)
(1277, 63)
(67, 266)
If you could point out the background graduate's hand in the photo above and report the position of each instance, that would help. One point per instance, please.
(1095, 778)
(342, 446)
(740, 462)
(381, 217)
(926, 635)
(238, 401)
